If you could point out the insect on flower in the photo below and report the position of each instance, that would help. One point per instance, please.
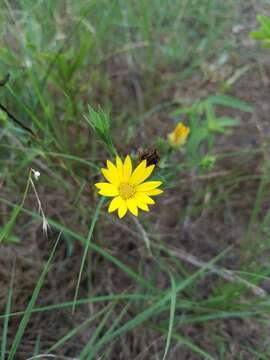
(179, 135)
(128, 188)
(150, 155)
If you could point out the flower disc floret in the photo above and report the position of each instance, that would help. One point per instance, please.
(126, 191)
(128, 188)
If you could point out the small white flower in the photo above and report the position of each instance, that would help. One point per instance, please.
(45, 224)
(36, 174)
(28, 63)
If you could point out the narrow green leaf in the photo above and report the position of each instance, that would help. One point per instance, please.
(185, 342)
(229, 101)
(8, 227)
(159, 305)
(86, 246)
(172, 314)
(71, 334)
(6, 320)
(26, 317)
(87, 353)
(265, 23)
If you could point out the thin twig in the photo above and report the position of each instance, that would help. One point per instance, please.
(228, 275)
(143, 233)
(45, 356)
(10, 115)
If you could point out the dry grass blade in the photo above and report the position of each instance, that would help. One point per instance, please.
(228, 275)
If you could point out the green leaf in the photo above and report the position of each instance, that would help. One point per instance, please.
(265, 23)
(6, 231)
(172, 315)
(210, 115)
(198, 135)
(6, 320)
(258, 35)
(86, 247)
(263, 33)
(71, 334)
(231, 102)
(228, 121)
(100, 123)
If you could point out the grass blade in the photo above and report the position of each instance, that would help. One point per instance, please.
(172, 313)
(28, 311)
(92, 300)
(6, 320)
(185, 342)
(159, 305)
(86, 352)
(74, 332)
(86, 247)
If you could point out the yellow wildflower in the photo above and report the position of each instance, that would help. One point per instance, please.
(128, 188)
(179, 136)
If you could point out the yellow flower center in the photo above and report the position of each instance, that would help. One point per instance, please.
(126, 191)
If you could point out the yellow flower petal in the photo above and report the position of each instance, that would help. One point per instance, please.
(148, 185)
(112, 168)
(127, 169)
(154, 192)
(142, 206)
(115, 204)
(120, 166)
(132, 207)
(107, 189)
(142, 197)
(122, 210)
(141, 173)
(111, 176)
(138, 173)
(147, 172)
(179, 136)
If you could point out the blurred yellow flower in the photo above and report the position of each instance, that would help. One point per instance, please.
(179, 136)
(127, 187)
